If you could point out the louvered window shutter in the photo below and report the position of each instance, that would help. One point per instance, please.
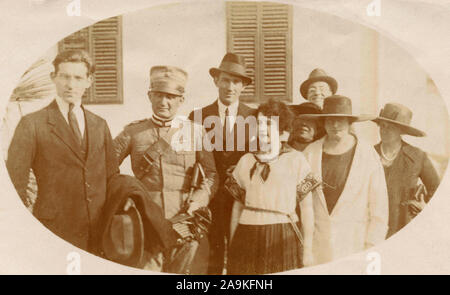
(262, 33)
(103, 41)
(242, 39)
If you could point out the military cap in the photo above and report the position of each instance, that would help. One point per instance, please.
(168, 79)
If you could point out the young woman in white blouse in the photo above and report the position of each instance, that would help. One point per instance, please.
(267, 235)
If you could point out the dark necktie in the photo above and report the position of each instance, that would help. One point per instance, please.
(73, 123)
(225, 131)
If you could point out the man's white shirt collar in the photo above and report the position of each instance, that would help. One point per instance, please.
(77, 110)
(232, 111)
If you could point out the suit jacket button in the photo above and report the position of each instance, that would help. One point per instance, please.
(87, 184)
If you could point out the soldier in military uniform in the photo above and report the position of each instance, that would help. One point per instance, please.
(164, 150)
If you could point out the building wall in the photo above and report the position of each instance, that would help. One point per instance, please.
(177, 35)
(369, 68)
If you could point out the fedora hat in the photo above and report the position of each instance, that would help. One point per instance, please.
(318, 75)
(399, 115)
(339, 106)
(123, 239)
(168, 79)
(232, 64)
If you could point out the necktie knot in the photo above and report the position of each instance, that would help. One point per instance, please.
(74, 124)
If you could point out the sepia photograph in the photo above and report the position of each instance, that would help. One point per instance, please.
(226, 138)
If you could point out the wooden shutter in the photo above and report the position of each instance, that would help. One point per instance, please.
(262, 33)
(276, 72)
(242, 40)
(103, 41)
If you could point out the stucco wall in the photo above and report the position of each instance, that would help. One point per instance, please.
(369, 68)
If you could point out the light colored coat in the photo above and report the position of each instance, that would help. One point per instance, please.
(360, 218)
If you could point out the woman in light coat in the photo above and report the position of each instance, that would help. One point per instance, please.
(351, 209)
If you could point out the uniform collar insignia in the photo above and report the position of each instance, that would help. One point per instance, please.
(161, 122)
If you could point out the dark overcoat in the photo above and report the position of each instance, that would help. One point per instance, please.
(410, 165)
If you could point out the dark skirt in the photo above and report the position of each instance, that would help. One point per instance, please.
(262, 249)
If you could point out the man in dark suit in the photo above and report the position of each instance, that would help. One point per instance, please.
(70, 151)
(227, 113)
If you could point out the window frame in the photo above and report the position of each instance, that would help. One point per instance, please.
(88, 37)
(259, 95)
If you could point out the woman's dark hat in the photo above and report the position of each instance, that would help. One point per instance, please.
(399, 115)
(309, 108)
(339, 106)
(318, 75)
(305, 108)
(123, 240)
(232, 64)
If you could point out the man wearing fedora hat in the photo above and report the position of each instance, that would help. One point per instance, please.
(230, 79)
(164, 150)
(318, 86)
(403, 165)
(351, 209)
(305, 130)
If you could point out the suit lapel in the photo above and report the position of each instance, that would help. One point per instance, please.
(411, 155)
(243, 110)
(213, 110)
(62, 130)
(251, 130)
(92, 131)
(210, 110)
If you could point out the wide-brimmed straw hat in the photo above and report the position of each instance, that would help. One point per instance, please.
(339, 106)
(399, 115)
(232, 64)
(315, 76)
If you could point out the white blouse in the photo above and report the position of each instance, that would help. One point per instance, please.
(278, 192)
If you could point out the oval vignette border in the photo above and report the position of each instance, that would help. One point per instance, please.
(14, 210)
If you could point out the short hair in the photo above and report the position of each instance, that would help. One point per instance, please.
(275, 107)
(76, 55)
